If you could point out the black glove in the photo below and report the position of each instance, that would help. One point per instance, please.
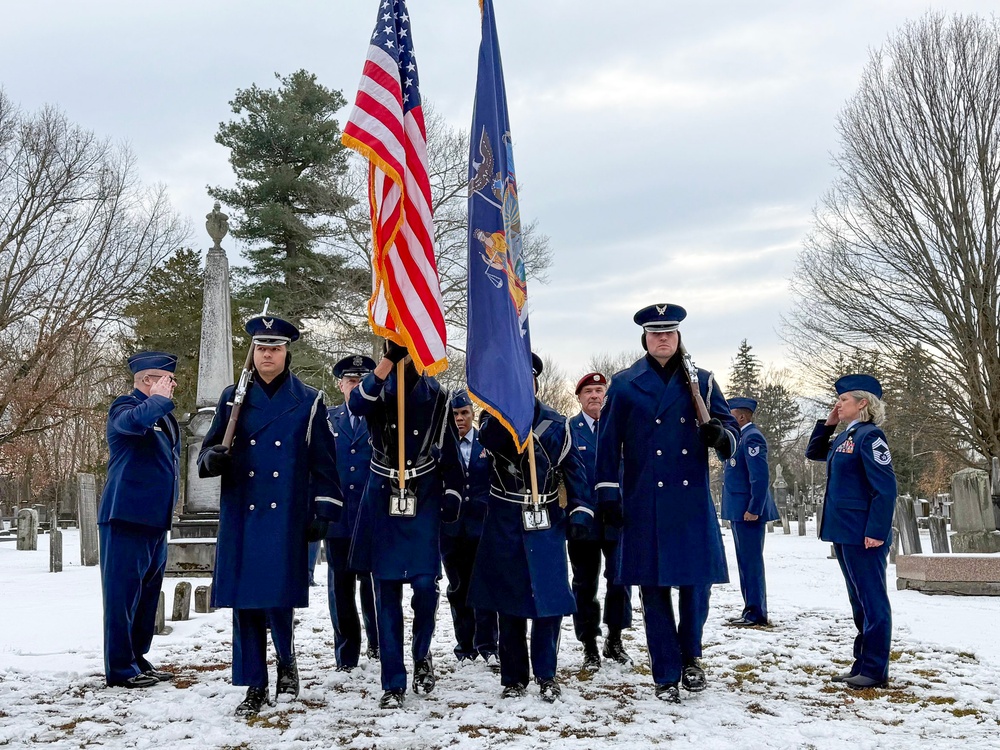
(217, 460)
(611, 515)
(317, 529)
(713, 434)
(395, 352)
(577, 532)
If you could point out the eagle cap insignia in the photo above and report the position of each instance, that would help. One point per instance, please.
(357, 361)
(660, 309)
(268, 324)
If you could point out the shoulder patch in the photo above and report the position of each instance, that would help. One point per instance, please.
(753, 450)
(880, 452)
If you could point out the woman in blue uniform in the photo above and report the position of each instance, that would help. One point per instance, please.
(857, 517)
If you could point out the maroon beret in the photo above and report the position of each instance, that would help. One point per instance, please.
(591, 378)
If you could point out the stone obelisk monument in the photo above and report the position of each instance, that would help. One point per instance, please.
(191, 551)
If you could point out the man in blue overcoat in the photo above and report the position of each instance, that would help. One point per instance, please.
(521, 569)
(599, 539)
(134, 516)
(476, 630)
(279, 491)
(652, 479)
(398, 530)
(354, 455)
(748, 506)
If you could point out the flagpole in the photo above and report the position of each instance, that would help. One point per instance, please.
(532, 470)
(400, 420)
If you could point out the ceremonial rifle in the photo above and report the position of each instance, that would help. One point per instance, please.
(246, 377)
(700, 409)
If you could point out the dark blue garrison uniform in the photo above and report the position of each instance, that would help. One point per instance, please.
(133, 519)
(354, 455)
(279, 485)
(399, 548)
(859, 503)
(476, 630)
(746, 489)
(652, 472)
(521, 569)
(586, 551)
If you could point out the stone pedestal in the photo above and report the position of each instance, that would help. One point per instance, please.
(972, 519)
(86, 510)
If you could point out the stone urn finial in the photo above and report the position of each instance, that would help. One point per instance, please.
(217, 224)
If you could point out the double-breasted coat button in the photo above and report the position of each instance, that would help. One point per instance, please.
(682, 420)
(253, 442)
(275, 475)
(351, 486)
(659, 484)
(657, 421)
(252, 507)
(353, 451)
(408, 462)
(251, 473)
(274, 505)
(416, 432)
(685, 483)
(277, 443)
(352, 468)
(659, 452)
(684, 451)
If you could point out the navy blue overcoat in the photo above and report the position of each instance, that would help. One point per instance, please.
(283, 474)
(585, 445)
(746, 484)
(475, 494)
(648, 433)
(144, 462)
(525, 573)
(860, 483)
(391, 547)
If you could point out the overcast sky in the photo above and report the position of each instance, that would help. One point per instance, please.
(672, 151)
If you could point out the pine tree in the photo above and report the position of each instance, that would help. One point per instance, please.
(744, 373)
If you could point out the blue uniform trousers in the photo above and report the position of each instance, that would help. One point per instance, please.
(673, 644)
(133, 559)
(514, 648)
(476, 630)
(250, 642)
(341, 585)
(864, 573)
(585, 558)
(389, 607)
(748, 536)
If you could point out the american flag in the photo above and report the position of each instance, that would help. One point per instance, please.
(387, 128)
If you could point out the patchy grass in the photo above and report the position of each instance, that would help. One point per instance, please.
(757, 708)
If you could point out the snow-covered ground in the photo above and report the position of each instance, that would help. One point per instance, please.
(768, 688)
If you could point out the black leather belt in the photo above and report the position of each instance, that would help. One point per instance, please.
(522, 498)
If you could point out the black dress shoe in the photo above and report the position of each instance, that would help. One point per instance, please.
(842, 677)
(514, 691)
(614, 649)
(693, 677)
(159, 675)
(288, 680)
(138, 681)
(591, 656)
(743, 622)
(668, 693)
(549, 690)
(423, 676)
(493, 662)
(344, 668)
(256, 697)
(372, 653)
(860, 682)
(392, 699)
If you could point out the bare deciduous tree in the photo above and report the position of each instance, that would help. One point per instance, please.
(905, 245)
(78, 234)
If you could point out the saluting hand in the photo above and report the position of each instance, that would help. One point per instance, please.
(834, 418)
(163, 386)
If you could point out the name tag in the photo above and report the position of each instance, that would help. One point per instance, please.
(581, 447)
(157, 428)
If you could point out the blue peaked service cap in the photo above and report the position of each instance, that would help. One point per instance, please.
(660, 318)
(353, 366)
(268, 330)
(460, 399)
(536, 365)
(859, 382)
(743, 403)
(152, 361)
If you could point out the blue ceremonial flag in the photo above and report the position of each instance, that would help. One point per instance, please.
(498, 349)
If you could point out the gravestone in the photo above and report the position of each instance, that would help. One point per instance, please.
(995, 490)
(780, 492)
(86, 510)
(182, 602)
(801, 515)
(55, 550)
(972, 519)
(203, 600)
(939, 535)
(161, 620)
(819, 517)
(906, 522)
(894, 546)
(27, 529)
